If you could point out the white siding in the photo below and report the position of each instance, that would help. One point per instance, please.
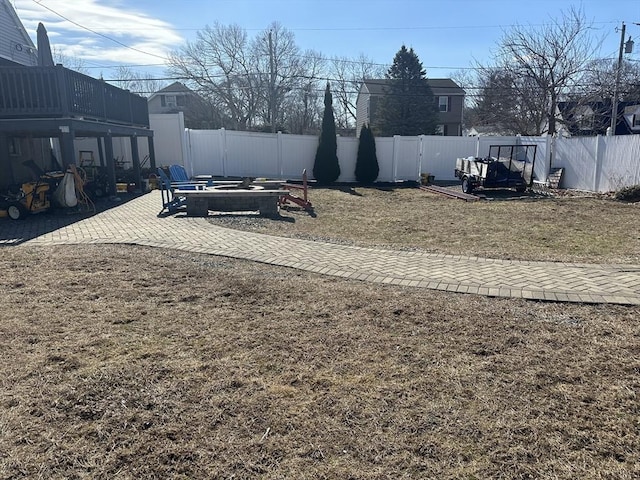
(362, 108)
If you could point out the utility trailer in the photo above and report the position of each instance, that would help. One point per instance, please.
(506, 166)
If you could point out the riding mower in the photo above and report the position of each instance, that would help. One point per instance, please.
(32, 197)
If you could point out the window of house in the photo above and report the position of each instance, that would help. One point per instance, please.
(440, 130)
(168, 101)
(585, 122)
(14, 146)
(443, 104)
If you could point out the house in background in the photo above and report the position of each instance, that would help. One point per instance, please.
(448, 96)
(45, 107)
(486, 131)
(177, 97)
(631, 116)
(594, 118)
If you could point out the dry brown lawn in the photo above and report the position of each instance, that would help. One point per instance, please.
(128, 362)
(571, 227)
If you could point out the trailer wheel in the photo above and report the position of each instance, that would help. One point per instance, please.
(16, 211)
(467, 187)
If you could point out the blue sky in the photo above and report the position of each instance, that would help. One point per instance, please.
(447, 35)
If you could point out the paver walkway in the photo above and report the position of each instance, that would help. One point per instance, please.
(136, 222)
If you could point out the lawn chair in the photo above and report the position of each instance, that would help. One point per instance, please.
(172, 203)
(178, 174)
(181, 181)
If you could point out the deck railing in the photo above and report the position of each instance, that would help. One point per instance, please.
(57, 92)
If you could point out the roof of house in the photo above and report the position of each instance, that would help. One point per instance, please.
(15, 46)
(175, 87)
(445, 86)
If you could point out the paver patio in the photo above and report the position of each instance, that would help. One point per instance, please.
(136, 222)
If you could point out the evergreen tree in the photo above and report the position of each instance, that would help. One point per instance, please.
(367, 168)
(408, 106)
(326, 168)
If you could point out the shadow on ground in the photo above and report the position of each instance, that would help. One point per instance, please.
(15, 232)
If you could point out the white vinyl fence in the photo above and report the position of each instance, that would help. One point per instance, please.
(248, 154)
(598, 164)
(590, 163)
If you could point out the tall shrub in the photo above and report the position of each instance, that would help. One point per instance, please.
(326, 168)
(367, 168)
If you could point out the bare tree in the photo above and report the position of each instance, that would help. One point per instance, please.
(509, 104)
(250, 80)
(280, 66)
(219, 64)
(347, 77)
(302, 110)
(73, 63)
(545, 64)
(600, 78)
(141, 83)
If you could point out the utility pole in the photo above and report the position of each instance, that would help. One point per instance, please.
(614, 108)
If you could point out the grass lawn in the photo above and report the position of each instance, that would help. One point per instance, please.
(131, 362)
(562, 228)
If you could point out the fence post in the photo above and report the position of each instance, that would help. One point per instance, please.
(186, 152)
(279, 160)
(551, 151)
(420, 156)
(597, 171)
(394, 158)
(223, 150)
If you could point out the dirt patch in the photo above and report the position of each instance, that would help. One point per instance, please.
(128, 362)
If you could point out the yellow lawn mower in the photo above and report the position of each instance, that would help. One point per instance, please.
(33, 197)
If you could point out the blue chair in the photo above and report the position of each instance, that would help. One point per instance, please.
(178, 174)
(172, 203)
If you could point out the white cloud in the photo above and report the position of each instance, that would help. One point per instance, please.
(149, 38)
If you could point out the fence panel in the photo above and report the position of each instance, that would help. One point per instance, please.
(168, 138)
(407, 158)
(485, 143)
(384, 153)
(206, 152)
(578, 158)
(439, 155)
(347, 155)
(298, 153)
(541, 167)
(251, 154)
(620, 165)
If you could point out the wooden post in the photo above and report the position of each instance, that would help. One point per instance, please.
(135, 155)
(111, 164)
